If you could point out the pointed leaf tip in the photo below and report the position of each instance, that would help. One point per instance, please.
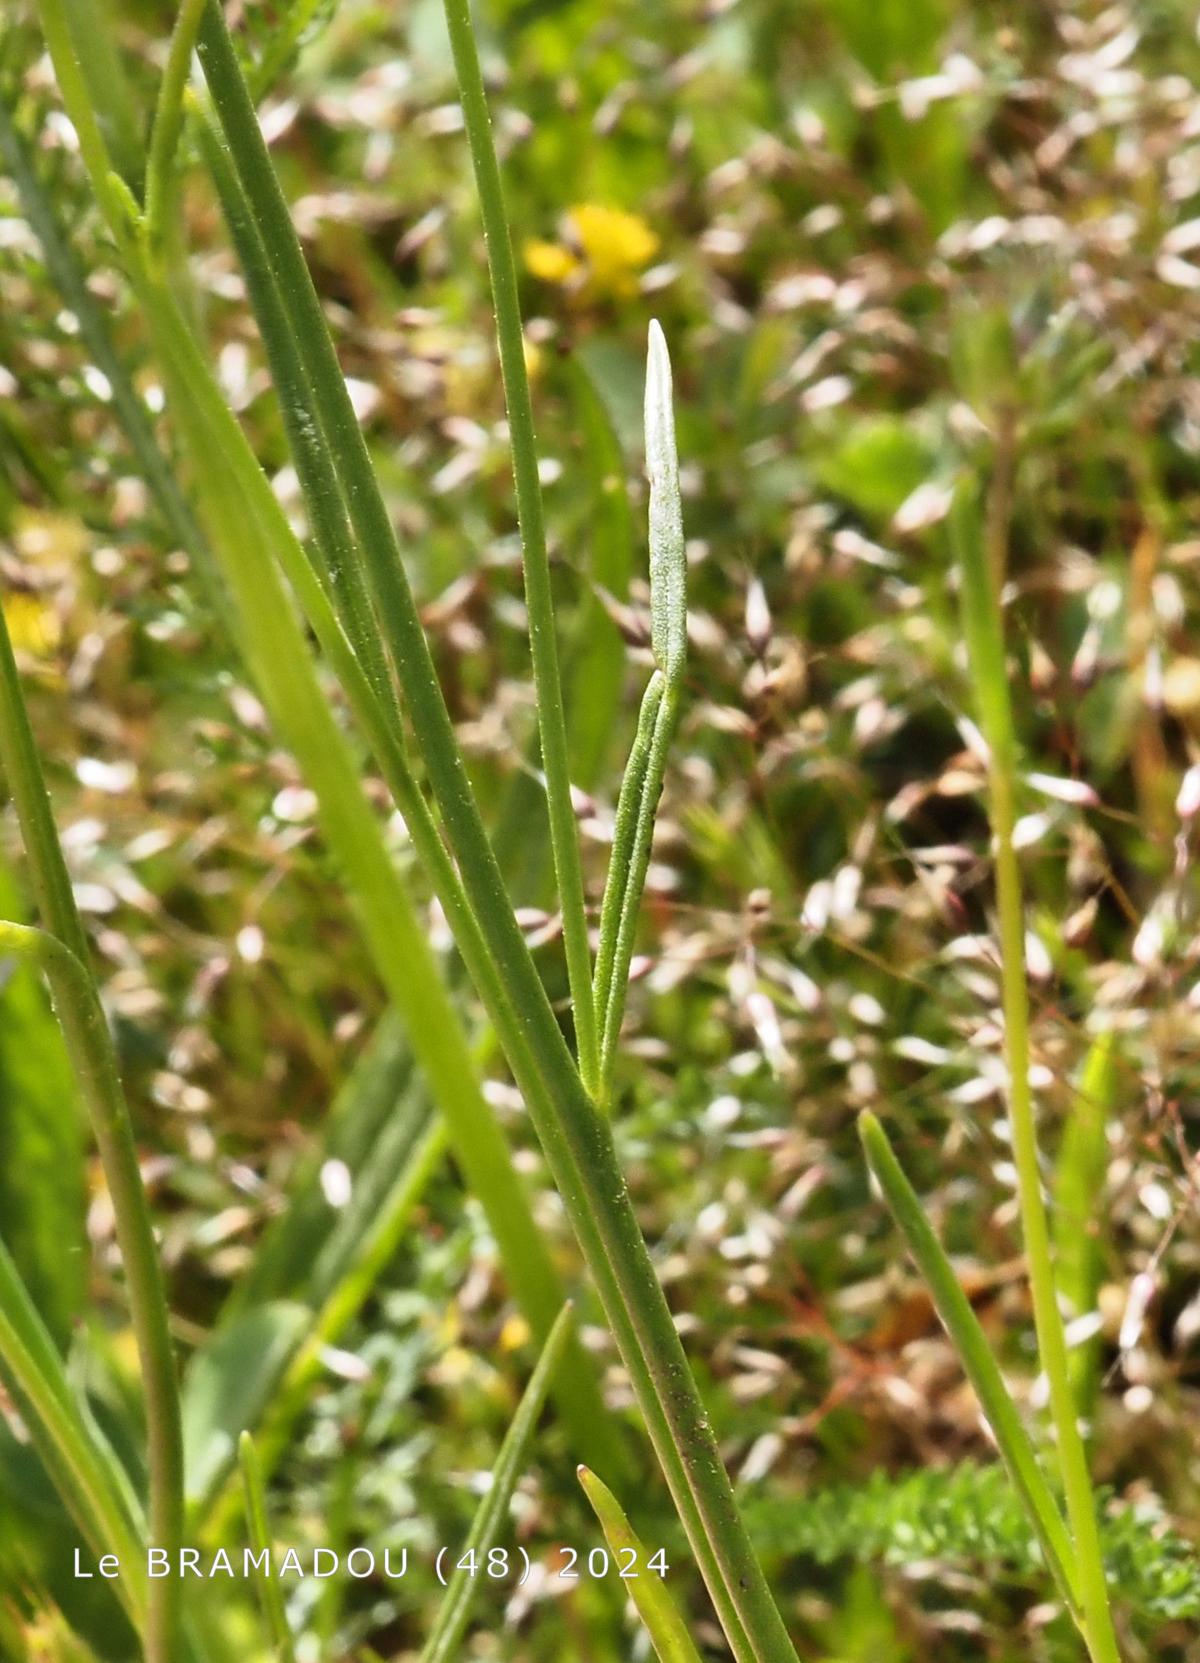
(668, 560)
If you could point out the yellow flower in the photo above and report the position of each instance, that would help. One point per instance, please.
(33, 625)
(615, 246)
(515, 1333)
(550, 261)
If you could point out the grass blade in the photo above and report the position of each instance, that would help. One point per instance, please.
(168, 123)
(269, 1596)
(1078, 1212)
(668, 1633)
(962, 1325)
(62, 952)
(983, 628)
(33, 1372)
(597, 669)
(510, 337)
(444, 1644)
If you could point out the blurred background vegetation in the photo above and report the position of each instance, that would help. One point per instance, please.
(886, 242)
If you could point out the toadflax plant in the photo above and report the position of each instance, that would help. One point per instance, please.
(348, 589)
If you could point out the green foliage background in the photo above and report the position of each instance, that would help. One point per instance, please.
(893, 241)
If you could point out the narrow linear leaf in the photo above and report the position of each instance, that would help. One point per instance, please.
(962, 1325)
(33, 1373)
(269, 1595)
(597, 667)
(43, 1183)
(668, 1633)
(668, 557)
(445, 1639)
(641, 787)
(1078, 1214)
(981, 560)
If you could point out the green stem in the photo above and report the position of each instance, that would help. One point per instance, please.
(636, 811)
(168, 122)
(398, 617)
(961, 1323)
(259, 1533)
(445, 1639)
(510, 336)
(633, 785)
(86, 1033)
(985, 642)
(33, 1372)
(309, 446)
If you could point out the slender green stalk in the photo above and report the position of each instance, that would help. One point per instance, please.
(259, 1533)
(637, 805)
(962, 1325)
(168, 122)
(510, 337)
(77, 95)
(95, 38)
(1078, 1206)
(333, 415)
(588, 1175)
(33, 1373)
(985, 644)
(444, 1644)
(340, 560)
(63, 954)
(668, 1633)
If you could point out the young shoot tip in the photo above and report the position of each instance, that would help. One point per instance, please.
(668, 559)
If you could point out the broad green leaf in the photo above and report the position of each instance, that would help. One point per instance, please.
(230, 1381)
(874, 464)
(283, 1265)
